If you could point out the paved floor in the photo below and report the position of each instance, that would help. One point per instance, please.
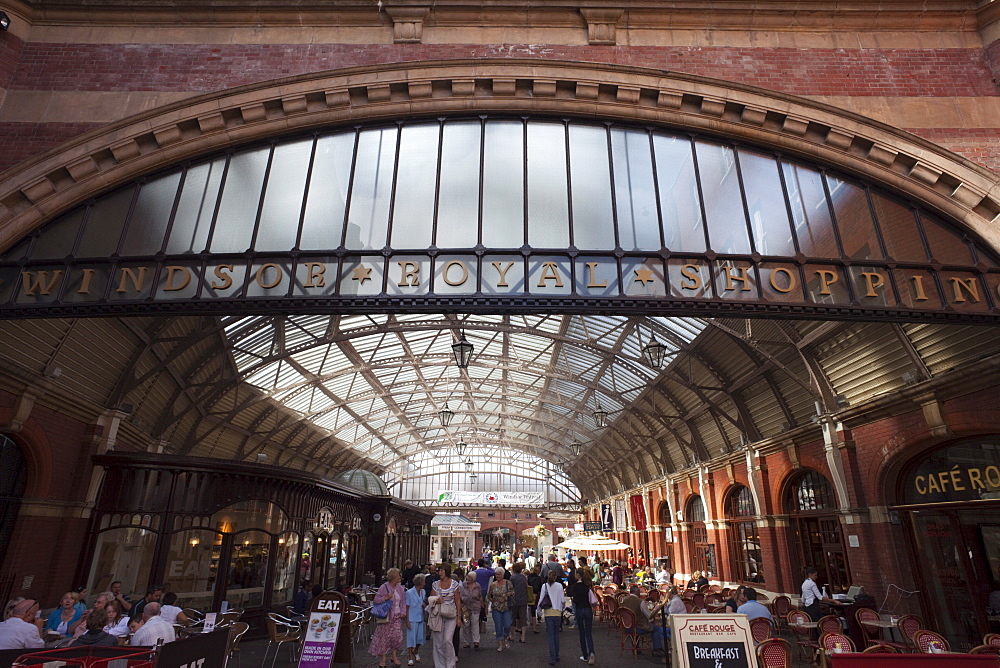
(531, 654)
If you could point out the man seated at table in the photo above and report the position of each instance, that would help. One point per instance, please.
(753, 608)
(154, 628)
(22, 630)
(643, 613)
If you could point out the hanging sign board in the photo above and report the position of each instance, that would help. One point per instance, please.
(712, 641)
(327, 632)
(592, 526)
(607, 521)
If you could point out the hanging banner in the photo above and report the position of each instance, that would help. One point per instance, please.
(607, 521)
(530, 499)
(638, 513)
(621, 521)
(327, 628)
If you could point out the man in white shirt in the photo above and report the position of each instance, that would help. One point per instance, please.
(21, 631)
(752, 608)
(663, 575)
(154, 628)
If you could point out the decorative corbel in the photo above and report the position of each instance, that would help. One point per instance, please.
(602, 24)
(407, 23)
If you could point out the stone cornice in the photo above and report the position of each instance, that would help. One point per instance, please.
(52, 182)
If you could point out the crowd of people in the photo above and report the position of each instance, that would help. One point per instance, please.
(112, 619)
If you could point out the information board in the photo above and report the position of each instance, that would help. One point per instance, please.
(326, 630)
(592, 526)
(712, 641)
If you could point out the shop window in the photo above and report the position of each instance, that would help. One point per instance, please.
(13, 481)
(248, 569)
(811, 504)
(124, 554)
(702, 552)
(192, 567)
(744, 538)
(254, 514)
(285, 562)
(812, 492)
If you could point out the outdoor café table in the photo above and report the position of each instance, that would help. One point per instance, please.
(806, 625)
(890, 624)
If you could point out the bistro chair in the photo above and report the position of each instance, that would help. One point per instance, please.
(992, 639)
(761, 629)
(925, 640)
(726, 591)
(278, 632)
(227, 618)
(630, 632)
(714, 589)
(643, 589)
(803, 637)
(774, 653)
(689, 607)
(833, 641)
(611, 612)
(236, 632)
(880, 648)
(653, 595)
(872, 634)
(698, 600)
(986, 649)
(610, 589)
(193, 615)
(908, 625)
(780, 608)
(830, 624)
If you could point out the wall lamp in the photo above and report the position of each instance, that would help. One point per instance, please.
(4, 21)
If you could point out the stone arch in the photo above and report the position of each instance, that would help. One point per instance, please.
(52, 182)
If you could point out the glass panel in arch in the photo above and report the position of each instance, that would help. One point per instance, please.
(189, 233)
(254, 514)
(780, 282)
(917, 288)
(286, 182)
(458, 202)
(104, 224)
(416, 180)
(964, 291)
(56, 239)
(368, 219)
(248, 569)
(144, 235)
(736, 280)
(720, 186)
(456, 274)
(854, 220)
(590, 176)
(635, 191)
(503, 185)
(192, 566)
(548, 204)
(810, 211)
(899, 230)
(323, 223)
(947, 244)
(269, 279)
(122, 554)
(86, 283)
(679, 201)
(766, 204)
(285, 564)
(825, 284)
(872, 285)
(240, 199)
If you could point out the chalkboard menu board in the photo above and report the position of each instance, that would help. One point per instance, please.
(712, 641)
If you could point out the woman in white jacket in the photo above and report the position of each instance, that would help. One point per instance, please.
(551, 602)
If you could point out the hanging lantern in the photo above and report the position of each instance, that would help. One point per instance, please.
(654, 352)
(600, 417)
(463, 351)
(446, 415)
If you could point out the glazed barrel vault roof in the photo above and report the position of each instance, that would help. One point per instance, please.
(334, 391)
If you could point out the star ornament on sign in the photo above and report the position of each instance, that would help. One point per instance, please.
(361, 273)
(643, 275)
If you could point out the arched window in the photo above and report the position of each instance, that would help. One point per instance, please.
(13, 481)
(702, 552)
(811, 503)
(744, 539)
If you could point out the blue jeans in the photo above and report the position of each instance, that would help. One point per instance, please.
(501, 620)
(552, 629)
(658, 637)
(585, 624)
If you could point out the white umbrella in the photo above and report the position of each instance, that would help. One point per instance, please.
(594, 543)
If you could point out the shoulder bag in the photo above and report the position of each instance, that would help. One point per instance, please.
(545, 603)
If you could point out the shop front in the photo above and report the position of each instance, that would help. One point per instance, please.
(950, 505)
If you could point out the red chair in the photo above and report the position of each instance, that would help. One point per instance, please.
(698, 600)
(986, 649)
(992, 639)
(630, 632)
(689, 607)
(925, 640)
(611, 612)
(833, 642)
(780, 608)
(761, 629)
(774, 653)
(653, 595)
(803, 637)
(872, 633)
(880, 649)
(830, 624)
(908, 625)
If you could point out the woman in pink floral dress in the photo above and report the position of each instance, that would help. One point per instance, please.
(389, 634)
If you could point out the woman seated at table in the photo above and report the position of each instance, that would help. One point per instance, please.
(117, 622)
(737, 599)
(58, 624)
(696, 581)
(170, 612)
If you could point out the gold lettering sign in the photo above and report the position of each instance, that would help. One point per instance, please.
(958, 479)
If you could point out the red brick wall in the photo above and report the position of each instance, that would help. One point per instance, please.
(23, 140)
(10, 52)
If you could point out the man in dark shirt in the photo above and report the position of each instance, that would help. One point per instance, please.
(483, 575)
(409, 570)
(553, 565)
(152, 596)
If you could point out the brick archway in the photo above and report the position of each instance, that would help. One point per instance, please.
(42, 187)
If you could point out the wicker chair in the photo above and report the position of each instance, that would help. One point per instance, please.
(833, 642)
(908, 625)
(830, 624)
(610, 608)
(873, 634)
(986, 649)
(780, 608)
(698, 600)
(630, 632)
(653, 595)
(761, 629)
(880, 648)
(926, 640)
(803, 637)
(774, 653)
(991, 639)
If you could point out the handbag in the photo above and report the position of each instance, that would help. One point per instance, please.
(592, 597)
(382, 610)
(546, 602)
(448, 610)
